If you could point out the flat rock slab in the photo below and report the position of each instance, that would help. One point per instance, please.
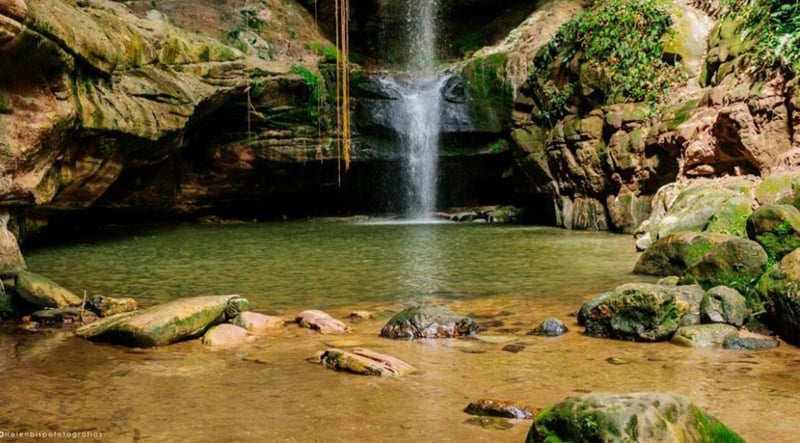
(501, 408)
(321, 322)
(226, 336)
(166, 323)
(428, 321)
(43, 292)
(257, 323)
(363, 361)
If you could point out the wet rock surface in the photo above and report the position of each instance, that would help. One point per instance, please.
(321, 322)
(166, 323)
(108, 306)
(363, 361)
(501, 408)
(641, 417)
(43, 292)
(704, 336)
(551, 327)
(428, 321)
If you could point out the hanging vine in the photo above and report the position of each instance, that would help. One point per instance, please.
(343, 142)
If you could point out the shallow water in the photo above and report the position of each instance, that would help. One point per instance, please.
(268, 392)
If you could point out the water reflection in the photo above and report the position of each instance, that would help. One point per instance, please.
(423, 271)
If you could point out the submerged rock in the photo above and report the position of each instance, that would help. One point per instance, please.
(704, 336)
(428, 321)
(501, 408)
(225, 336)
(257, 323)
(638, 417)
(108, 306)
(722, 304)
(166, 323)
(43, 292)
(363, 362)
(551, 327)
(750, 343)
(641, 311)
(320, 321)
(492, 423)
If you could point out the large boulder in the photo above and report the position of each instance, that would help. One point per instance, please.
(722, 304)
(166, 323)
(638, 417)
(428, 321)
(641, 311)
(776, 228)
(43, 292)
(705, 259)
(780, 288)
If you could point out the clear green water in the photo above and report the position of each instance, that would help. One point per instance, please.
(514, 277)
(329, 265)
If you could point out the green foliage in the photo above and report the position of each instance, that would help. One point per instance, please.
(312, 81)
(616, 48)
(775, 27)
(329, 52)
(470, 42)
(251, 19)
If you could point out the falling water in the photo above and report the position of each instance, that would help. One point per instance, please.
(417, 115)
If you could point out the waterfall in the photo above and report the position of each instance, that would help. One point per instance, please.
(417, 116)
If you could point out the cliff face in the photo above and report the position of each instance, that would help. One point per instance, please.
(601, 159)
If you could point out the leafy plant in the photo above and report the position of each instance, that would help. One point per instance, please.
(775, 27)
(311, 79)
(615, 49)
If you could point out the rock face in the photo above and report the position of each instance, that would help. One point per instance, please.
(363, 362)
(641, 312)
(166, 323)
(11, 261)
(43, 292)
(428, 321)
(640, 417)
(780, 289)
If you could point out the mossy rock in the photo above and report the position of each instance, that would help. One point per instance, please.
(43, 292)
(641, 312)
(166, 323)
(637, 417)
(780, 288)
(704, 336)
(706, 207)
(428, 321)
(489, 93)
(722, 304)
(778, 188)
(776, 228)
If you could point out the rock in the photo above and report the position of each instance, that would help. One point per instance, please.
(641, 311)
(257, 323)
(514, 348)
(704, 336)
(780, 289)
(108, 306)
(62, 316)
(320, 322)
(364, 362)
(722, 304)
(551, 327)
(43, 292)
(776, 228)
(357, 316)
(226, 336)
(706, 259)
(428, 321)
(672, 280)
(11, 260)
(637, 417)
(166, 323)
(501, 408)
(750, 343)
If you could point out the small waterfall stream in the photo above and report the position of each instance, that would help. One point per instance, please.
(417, 116)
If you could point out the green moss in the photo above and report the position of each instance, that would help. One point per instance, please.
(489, 92)
(712, 431)
(5, 104)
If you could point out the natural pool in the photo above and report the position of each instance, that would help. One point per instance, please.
(512, 275)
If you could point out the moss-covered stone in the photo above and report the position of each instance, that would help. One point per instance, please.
(704, 336)
(489, 93)
(428, 321)
(776, 228)
(780, 289)
(722, 304)
(639, 417)
(706, 207)
(641, 311)
(43, 292)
